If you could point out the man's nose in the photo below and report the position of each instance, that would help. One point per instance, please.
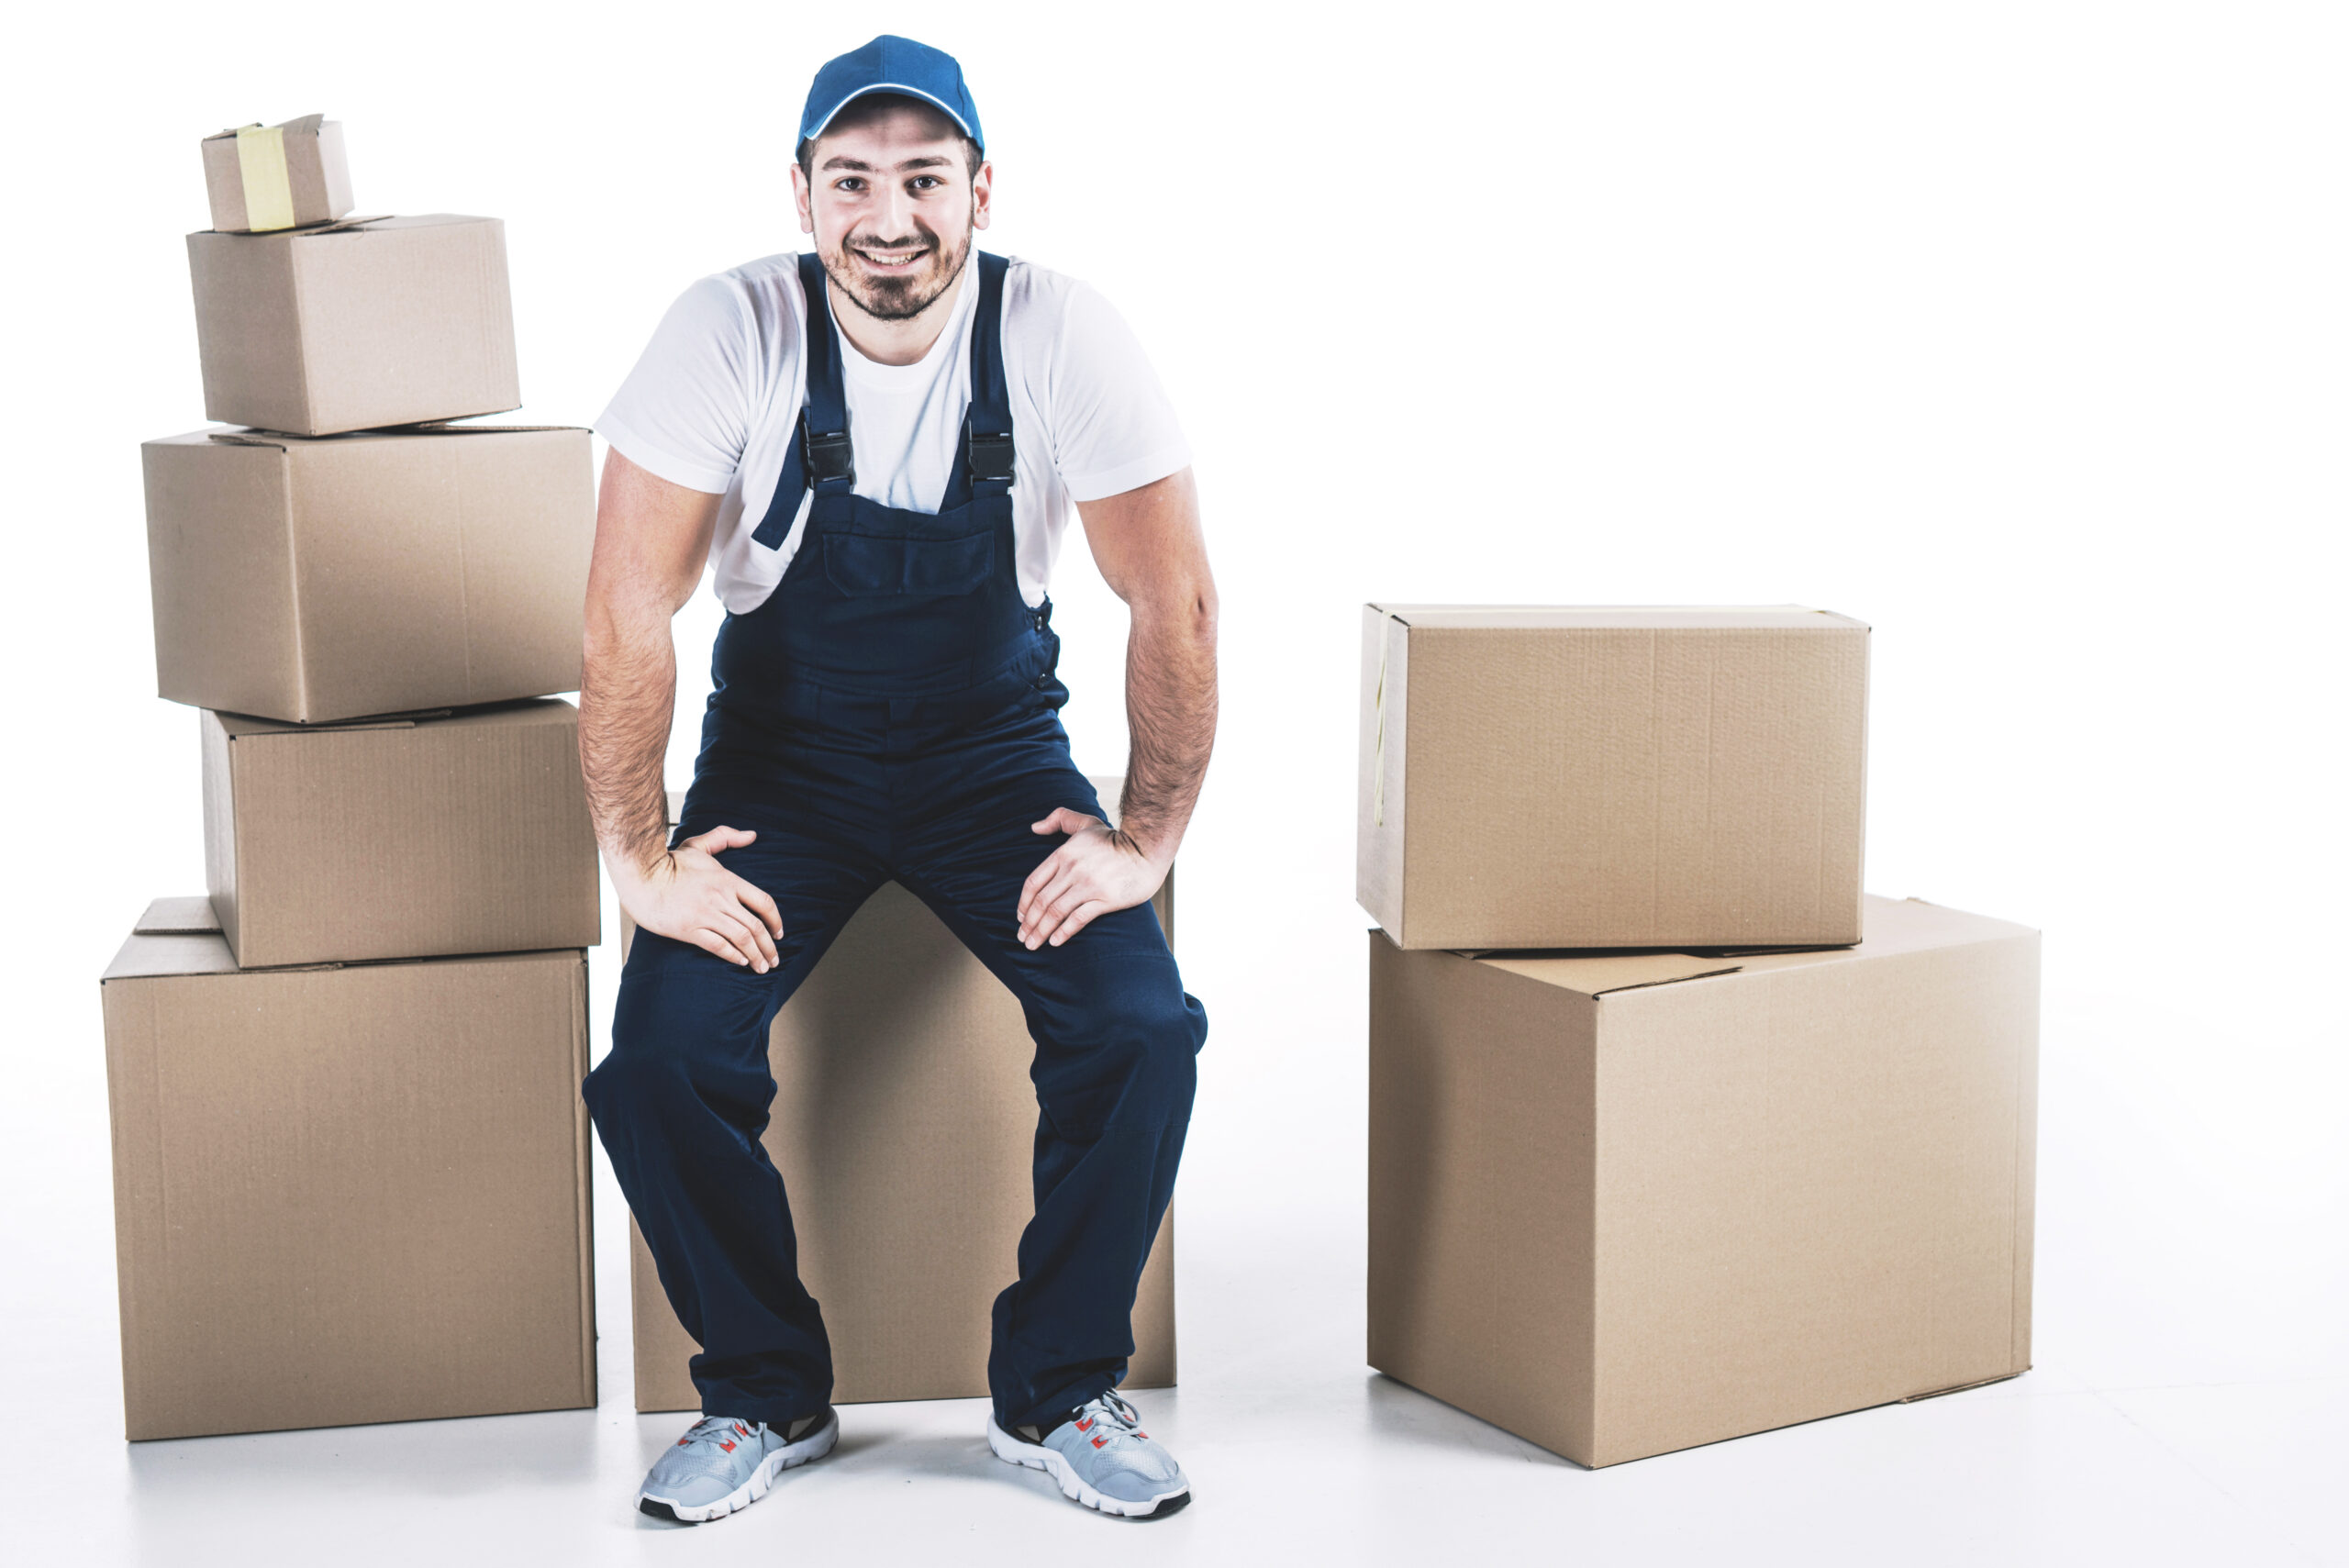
(893, 217)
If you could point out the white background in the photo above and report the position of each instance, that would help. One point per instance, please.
(2017, 331)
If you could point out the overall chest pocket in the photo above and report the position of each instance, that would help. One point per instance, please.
(865, 565)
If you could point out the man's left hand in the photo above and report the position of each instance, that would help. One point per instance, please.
(1097, 871)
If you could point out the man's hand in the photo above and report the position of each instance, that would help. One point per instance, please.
(686, 895)
(1097, 871)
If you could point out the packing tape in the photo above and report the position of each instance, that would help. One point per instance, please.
(1378, 743)
(269, 189)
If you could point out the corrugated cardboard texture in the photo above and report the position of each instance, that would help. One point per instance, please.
(1563, 778)
(1621, 1206)
(317, 174)
(407, 839)
(312, 581)
(393, 321)
(347, 1194)
(903, 1124)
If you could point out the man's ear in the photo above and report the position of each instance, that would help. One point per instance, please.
(804, 198)
(982, 194)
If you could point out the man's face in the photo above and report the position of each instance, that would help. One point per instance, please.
(892, 204)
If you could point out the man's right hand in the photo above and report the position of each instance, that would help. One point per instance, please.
(685, 894)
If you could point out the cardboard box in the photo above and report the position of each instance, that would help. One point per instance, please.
(355, 325)
(904, 1122)
(312, 581)
(346, 1195)
(399, 838)
(1626, 1204)
(1603, 778)
(279, 176)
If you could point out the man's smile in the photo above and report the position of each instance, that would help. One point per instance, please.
(889, 260)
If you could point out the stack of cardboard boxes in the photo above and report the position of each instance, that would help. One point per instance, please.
(1675, 1135)
(350, 1162)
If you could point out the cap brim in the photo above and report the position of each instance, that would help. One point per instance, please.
(931, 98)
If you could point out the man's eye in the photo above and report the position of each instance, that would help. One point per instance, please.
(926, 181)
(849, 185)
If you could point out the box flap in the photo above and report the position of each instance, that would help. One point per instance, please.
(378, 222)
(144, 957)
(1614, 618)
(1595, 974)
(240, 726)
(191, 916)
(451, 428)
(1892, 926)
(306, 124)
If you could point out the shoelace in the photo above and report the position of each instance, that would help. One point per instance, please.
(718, 1430)
(1117, 1418)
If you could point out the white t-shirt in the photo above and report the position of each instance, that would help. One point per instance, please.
(714, 401)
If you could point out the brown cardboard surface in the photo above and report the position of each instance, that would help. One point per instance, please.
(346, 1195)
(1552, 777)
(1619, 1213)
(461, 834)
(317, 174)
(903, 1124)
(389, 321)
(313, 580)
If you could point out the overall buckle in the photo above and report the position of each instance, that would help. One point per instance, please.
(990, 457)
(829, 456)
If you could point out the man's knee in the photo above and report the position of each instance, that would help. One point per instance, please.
(675, 1051)
(1154, 1031)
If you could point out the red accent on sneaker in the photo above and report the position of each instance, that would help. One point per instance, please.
(727, 1446)
(1099, 1442)
(1085, 1425)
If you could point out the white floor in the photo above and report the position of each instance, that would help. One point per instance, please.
(2187, 1409)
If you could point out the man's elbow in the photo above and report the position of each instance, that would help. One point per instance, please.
(1182, 614)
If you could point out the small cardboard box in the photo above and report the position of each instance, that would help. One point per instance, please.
(355, 325)
(1604, 778)
(904, 1122)
(314, 581)
(1625, 1203)
(346, 1195)
(409, 837)
(261, 178)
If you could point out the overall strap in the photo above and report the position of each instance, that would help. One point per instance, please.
(831, 464)
(819, 451)
(986, 430)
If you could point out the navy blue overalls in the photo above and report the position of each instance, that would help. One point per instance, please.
(891, 712)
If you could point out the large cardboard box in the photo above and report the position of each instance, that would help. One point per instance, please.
(903, 1124)
(346, 1195)
(1602, 778)
(277, 176)
(1625, 1203)
(355, 325)
(404, 838)
(320, 580)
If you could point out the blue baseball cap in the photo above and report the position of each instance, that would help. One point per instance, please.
(890, 64)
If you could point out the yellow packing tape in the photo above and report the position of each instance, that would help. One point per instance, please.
(268, 190)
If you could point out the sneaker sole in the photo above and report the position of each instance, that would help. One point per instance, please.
(791, 1456)
(1035, 1456)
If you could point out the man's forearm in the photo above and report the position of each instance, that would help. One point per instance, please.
(1171, 714)
(627, 696)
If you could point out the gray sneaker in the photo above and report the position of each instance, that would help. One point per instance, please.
(722, 1465)
(1101, 1458)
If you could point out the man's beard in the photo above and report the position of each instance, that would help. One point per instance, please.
(899, 297)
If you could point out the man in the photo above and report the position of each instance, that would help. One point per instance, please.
(876, 446)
